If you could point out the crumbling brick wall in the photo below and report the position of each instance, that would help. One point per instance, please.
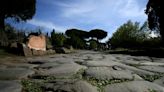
(37, 42)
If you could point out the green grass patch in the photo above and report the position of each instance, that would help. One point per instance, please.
(31, 86)
(101, 83)
(152, 90)
(79, 74)
(151, 78)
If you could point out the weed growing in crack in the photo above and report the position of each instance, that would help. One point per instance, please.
(151, 78)
(31, 86)
(152, 90)
(79, 74)
(101, 83)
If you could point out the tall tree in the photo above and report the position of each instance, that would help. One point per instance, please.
(127, 35)
(155, 18)
(57, 39)
(76, 32)
(17, 9)
(77, 38)
(98, 33)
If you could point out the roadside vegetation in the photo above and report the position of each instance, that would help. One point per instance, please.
(131, 37)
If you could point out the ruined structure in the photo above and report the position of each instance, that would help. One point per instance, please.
(37, 42)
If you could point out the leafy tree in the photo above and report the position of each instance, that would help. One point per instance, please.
(57, 39)
(93, 44)
(144, 31)
(14, 34)
(76, 32)
(3, 39)
(77, 42)
(10, 35)
(17, 9)
(77, 38)
(128, 35)
(98, 33)
(155, 18)
(10, 32)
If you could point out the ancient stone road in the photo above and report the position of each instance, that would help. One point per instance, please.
(83, 71)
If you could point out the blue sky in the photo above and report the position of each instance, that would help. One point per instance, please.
(85, 14)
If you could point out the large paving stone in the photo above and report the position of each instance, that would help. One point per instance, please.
(2, 66)
(15, 73)
(83, 86)
(135, 70)
(100, 63)
(10, 86)
(134, 86)
(159, 60)
(70, 86)
(49, 65)
(132, 62)
(110, 57)
(79, 86)
(43, 59)
(20, 65)
(104, 73)
(109, 63)
(95, 56)
(160, 81)
(64, 70)
(127, 59)
(63, 60)
(60, 59)
(153, 63)
(153, 68)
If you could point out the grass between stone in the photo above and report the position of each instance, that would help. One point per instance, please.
(101, 83)
(31, 86)
(97, 82)
(151, 78)
(152, 90)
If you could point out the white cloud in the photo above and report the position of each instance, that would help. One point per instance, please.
(131, 9)
(101, 12)
(46, 24)
(101, 8)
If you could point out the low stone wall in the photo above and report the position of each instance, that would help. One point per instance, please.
(23, 49)
(31, 52)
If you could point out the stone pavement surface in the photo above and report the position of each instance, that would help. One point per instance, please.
(82, 71)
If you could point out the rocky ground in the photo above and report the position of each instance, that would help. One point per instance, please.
(83, 71)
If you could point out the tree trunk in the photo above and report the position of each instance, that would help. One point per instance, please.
(2, 22)
(3, 38)
(161, 28)
(162, 34)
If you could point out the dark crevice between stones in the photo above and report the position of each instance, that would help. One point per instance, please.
(79, 62)
(38, 68)
(36, 62)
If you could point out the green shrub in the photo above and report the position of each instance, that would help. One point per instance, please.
(93, 44)
(57, 39)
